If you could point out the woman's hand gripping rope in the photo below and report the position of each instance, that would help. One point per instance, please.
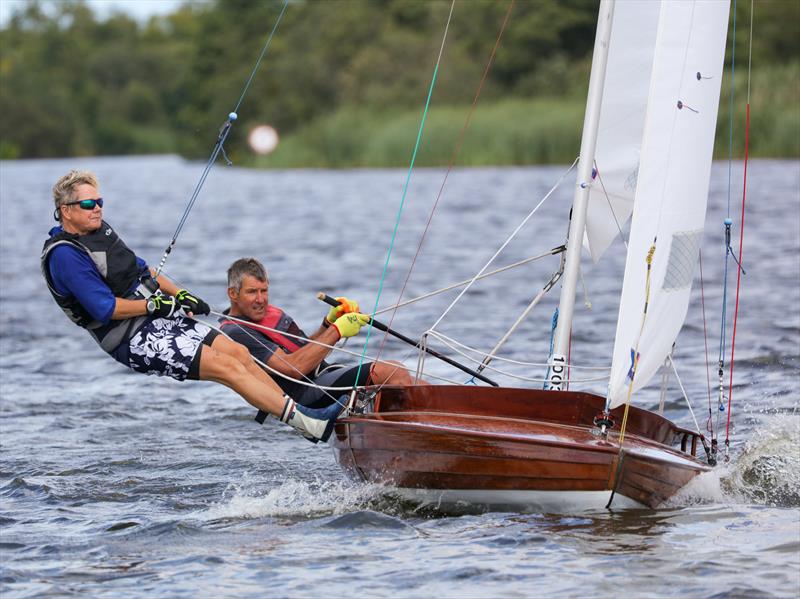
(162, 305)
(191, 304)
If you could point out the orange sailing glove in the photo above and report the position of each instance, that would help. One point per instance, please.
(346, 306)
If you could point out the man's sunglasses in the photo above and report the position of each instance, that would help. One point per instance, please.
(87, 204)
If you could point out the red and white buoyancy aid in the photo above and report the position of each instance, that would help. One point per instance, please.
(273, 325)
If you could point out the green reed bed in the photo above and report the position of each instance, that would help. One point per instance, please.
(774, 113)
(518, 132)
(504, 133)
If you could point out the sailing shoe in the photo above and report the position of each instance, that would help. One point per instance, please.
(314, 425)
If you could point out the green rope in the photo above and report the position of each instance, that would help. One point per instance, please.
(405, 190)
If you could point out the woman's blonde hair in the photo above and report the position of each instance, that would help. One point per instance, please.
(64, 189)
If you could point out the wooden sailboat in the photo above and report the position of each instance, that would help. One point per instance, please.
(649, 129)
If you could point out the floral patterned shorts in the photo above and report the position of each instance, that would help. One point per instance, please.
(169, 347)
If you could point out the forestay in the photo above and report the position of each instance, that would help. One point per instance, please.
(672, 186)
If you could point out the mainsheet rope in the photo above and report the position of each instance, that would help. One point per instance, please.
(405, 185)
(307, 382)
(224, 131)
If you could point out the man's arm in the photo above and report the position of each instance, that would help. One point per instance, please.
(308, 357)
(321, 330)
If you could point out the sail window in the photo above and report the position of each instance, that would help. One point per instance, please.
(683, 254)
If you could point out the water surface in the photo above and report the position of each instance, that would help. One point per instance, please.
(112, 482)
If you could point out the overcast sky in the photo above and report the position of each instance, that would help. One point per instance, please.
(138, 9)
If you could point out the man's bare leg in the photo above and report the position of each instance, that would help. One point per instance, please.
(390, 373)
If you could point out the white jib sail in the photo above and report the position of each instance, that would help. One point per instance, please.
(672, 187)
(621, 125)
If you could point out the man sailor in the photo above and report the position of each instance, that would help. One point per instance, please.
(146, 323)
(275, 339)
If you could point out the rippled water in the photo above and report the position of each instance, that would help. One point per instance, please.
(111, 482)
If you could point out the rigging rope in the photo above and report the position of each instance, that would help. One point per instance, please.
(727, 223)
(224, 131)
(452, 343)
(740, 270)
(504, 244)
(610, 206)
(308, 381)
(453, 158)
(710, 422)
(556, 250)
(547, 287)
(405, 185)
(683, 391)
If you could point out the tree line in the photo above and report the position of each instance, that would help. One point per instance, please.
(72, 84)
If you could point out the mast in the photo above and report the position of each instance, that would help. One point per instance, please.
(558, 359)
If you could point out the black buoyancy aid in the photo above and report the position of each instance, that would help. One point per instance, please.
(117, 266)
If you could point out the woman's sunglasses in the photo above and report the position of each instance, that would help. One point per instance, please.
(87, 204)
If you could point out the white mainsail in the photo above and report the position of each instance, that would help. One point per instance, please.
(672, 186)
(621, 124)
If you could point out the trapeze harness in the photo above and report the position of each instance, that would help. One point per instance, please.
(117, 266)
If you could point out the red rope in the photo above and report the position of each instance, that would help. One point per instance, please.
(739, 273)
(453, 158)
(710, 423)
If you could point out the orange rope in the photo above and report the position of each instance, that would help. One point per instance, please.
(453, 158)
(739, 271)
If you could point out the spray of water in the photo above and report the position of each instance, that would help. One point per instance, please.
(293, 498)
(766, 472)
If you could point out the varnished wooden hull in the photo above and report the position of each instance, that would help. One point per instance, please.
(511, 447)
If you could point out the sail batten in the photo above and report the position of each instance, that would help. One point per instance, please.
(671, 187)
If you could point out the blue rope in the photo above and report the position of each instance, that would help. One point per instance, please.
(263, 52)
(553, 324)
(728, 221)
(404, 194)
(224, 130)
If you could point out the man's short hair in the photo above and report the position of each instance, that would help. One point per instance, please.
(245, 267)
(65, 189)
